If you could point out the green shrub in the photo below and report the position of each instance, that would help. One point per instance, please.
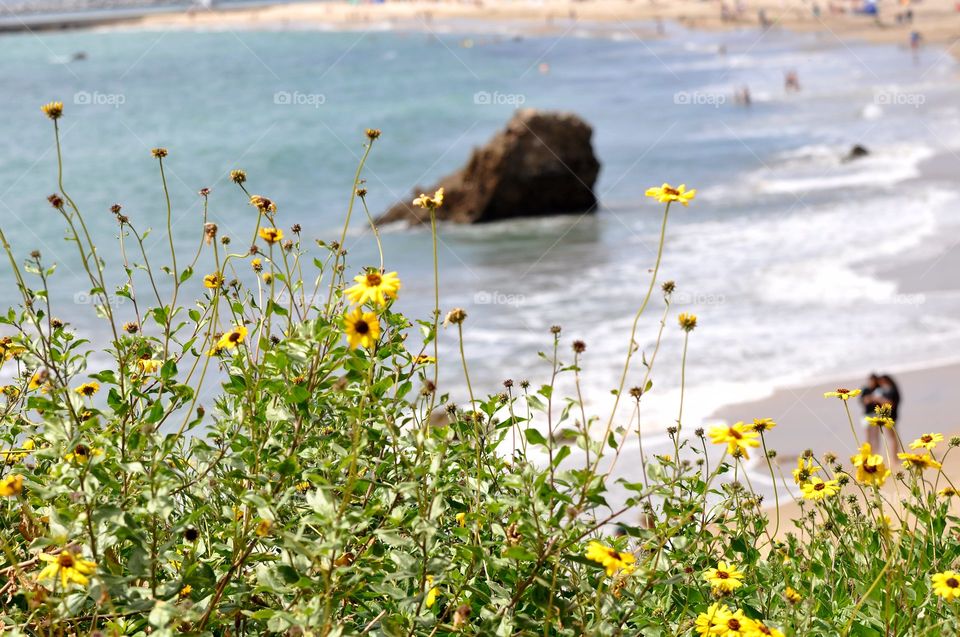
(332, 490)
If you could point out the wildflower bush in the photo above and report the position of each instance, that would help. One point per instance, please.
(333, 488)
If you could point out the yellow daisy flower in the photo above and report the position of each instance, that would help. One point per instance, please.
(763, 424)
(53, 110)
(736, 624)
(611, 559)
(432, 592)
(213, 281)
(926, 441)
(870, 466)
(88, 389)
(759, 629)
(263, 204)
(232, 339)
(374, 286)
(429, 203)
(149, 365)
(461, 519)
(38, 380)
(946, 585)
(81, 454)
(918, 461)
(423, 359)
(842, 393)
(11, 486)
(947, 492)
(263, 528)
(805, 469)
(688, 322)
(361, 328)
(792, 595)
(713, 621)
(667, 193)
(736, 437)
(271, 235)
(817, 489)
(724, 578)
(68, 567)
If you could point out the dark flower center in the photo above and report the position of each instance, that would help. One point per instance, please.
(734, 624)
(373, 279)
(723, 574)
(820, 486)
(65, 560)
(81, 450)
(953, 583)
(361, 327)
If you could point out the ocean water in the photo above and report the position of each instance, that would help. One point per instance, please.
(777, 256)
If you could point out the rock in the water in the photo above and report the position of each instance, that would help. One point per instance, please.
(542, 163)
(856, 152)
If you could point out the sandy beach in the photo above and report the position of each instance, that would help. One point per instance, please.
(938, 21)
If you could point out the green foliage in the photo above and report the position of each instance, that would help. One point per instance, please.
(331, 491)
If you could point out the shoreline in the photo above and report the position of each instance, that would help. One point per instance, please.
(938, 21)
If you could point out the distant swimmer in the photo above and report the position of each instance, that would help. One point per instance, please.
(791, 82)
(544, 68)
(742, 96)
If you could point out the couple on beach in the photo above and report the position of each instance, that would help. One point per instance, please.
(881, 389)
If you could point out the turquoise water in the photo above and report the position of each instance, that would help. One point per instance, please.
(778, 255)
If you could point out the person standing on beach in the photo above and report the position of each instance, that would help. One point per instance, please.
(881, 390)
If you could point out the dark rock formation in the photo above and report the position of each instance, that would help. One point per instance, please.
(542, 163)
(856, 152)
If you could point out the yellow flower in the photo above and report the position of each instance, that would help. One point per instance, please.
(759, 629)
(149, 365)
(263, 204)
(257, 265)
(947, 492)
(667, 193)
(263, 528)
(919, 461)
(53, 110)
(10, 349)
(713, 621)
(724, 578)
(423, 359)
(303, 487)
(688, 322)
(926, 441)
(735, 624)
(870, 466)
(946, 585)
(267, 278)
(429, 203)
(185, 591)
(736, 437)
(374, 286)
(792, 596)
(68, 566)
(82, 454)
(88, 389)
(817, 489)
(362, 328)
(271, 235)
(805, 469)
(461, 518)
(213, 281)
(38, 379)
(432, 592)
(763, 424)
(11, 486)
(232, 339)
(842, 393)
(609, 558)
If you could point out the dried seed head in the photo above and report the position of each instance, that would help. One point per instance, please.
(579, 347)
(56, 201)
(373, 133)
(159, 153)
(238, 176)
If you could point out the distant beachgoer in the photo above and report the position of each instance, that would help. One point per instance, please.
(742, 96)
(915, 39)
(881, 390)
(791, 82)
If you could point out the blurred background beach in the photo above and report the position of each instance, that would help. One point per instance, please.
(807, 271)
